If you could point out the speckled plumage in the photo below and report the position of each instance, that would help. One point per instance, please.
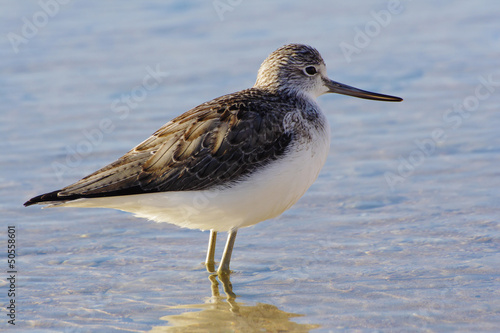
(216, 143)
(250, 155)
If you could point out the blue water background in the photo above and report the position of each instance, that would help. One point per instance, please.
(399, 233)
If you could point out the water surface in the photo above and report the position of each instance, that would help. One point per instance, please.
(399, 233)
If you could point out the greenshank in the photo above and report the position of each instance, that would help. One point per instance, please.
(228, 163)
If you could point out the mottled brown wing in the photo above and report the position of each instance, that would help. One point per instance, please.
(216, 143)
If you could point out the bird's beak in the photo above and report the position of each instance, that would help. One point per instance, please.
(344, 89)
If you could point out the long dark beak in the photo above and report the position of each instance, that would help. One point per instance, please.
(344, 89)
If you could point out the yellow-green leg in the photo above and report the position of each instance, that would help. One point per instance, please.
(210, 262)
(226, 256)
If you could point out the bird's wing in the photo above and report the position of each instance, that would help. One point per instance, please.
(213, 144)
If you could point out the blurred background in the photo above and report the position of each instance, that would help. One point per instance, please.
(399, 233)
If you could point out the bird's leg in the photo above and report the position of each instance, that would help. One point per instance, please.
(210, 262)
(228, 250)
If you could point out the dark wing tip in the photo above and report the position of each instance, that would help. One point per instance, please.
(51, 196)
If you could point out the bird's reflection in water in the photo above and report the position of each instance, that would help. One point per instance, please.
(224, 314)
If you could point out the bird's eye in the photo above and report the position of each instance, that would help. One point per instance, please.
(310, 70)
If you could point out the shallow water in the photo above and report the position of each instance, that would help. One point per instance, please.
(399, 233)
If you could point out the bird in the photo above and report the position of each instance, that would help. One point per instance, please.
(229, 163)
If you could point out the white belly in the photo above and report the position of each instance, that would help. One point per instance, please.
(265, 194)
